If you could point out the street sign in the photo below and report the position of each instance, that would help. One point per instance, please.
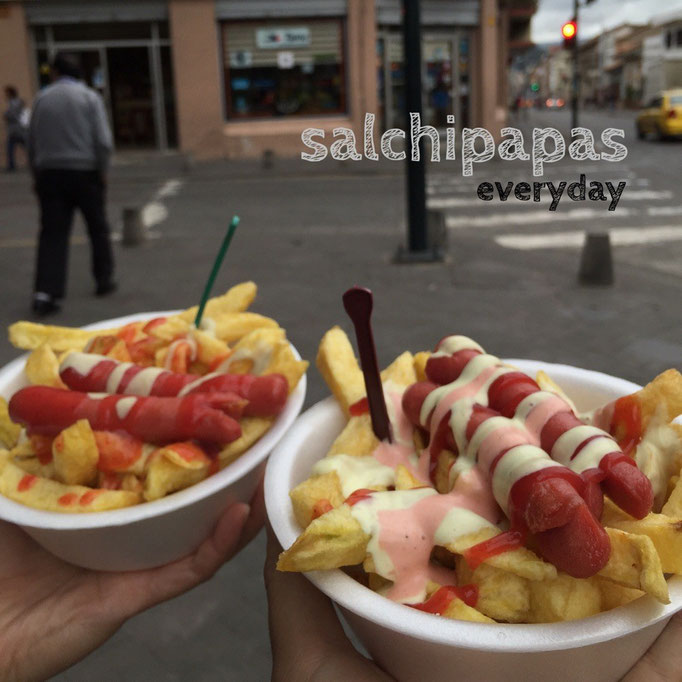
(241, 59)
(278, 38)
(285, 60)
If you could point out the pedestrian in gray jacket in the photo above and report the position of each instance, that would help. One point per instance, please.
(14, 122)
(69, 145)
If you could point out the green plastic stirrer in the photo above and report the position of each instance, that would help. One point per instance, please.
(216, 267)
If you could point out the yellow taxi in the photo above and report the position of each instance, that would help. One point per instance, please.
(662, 115)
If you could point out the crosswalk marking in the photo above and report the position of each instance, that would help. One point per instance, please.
(574, 239)
(533, 217)
(634, 195)
(664, 210)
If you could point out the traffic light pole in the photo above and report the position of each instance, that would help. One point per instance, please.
(576, 73)
(418, 248)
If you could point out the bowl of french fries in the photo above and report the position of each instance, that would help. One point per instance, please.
(118, 449)
(528, 619)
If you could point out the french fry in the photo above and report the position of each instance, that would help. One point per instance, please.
(521, 561)
(75, 454)
(30, 335)
(665, 533)
(235, 300)
(634, 563)
(614, 595)
(306, 495)
(174, 468)
(340, 369)
(563, 598)
(43, 493)
(458, 610)
(501, 595)
(42, 367)
(673, 507)
(357, 438)
(333, 540)
(400, 371)
(119, 352)
(252, 429)
(420, 360)
(9, 431)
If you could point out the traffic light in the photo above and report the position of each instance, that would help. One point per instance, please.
(570, 32)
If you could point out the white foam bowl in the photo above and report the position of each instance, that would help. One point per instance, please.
(152, 533)
(415, 646)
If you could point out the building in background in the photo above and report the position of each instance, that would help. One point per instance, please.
(662, 57)
(237, 78)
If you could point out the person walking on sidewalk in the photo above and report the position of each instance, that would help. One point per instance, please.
(69, 145)
(15, 120)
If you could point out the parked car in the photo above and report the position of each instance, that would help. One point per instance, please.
(662, 116)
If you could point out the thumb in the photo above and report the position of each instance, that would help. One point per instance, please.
(307, 639)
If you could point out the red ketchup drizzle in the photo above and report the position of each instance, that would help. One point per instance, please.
(42, 446)
(359, 408)
(152, 324)
(217, 361)
(439, 601)
(626, 423)
(26, 483)
(504, 542)
(321, 507)
(88, 497)
(68, 499)
(358, 495)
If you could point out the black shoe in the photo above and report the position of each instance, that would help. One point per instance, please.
(45, 306)
(106, 289)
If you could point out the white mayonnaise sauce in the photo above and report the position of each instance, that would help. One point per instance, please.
(123, 407)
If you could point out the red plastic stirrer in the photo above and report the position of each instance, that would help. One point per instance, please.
(358, 304)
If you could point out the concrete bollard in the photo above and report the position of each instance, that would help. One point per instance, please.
(596, 264)
(268, 159)
(134, 232)
(436, 238)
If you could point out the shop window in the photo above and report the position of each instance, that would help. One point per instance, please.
(284, 68)
(129, 30)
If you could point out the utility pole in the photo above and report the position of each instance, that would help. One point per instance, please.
(576, 72)
(418, 247)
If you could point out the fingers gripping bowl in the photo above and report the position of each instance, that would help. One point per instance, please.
(414, 646)
(156, 532)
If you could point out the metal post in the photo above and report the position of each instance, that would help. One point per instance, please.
(418, 247)
(576, 74)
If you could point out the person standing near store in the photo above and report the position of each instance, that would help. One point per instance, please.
(15, 121)
(69, 145)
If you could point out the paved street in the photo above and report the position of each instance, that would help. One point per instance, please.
(308, 232)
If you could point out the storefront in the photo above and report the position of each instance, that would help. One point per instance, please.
(446, 61)
(127, 60)
(305, 65)
(239, 78)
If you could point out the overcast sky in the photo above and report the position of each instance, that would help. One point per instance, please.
(600, 15)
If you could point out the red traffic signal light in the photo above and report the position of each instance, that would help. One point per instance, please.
(569, 31)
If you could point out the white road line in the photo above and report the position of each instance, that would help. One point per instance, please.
(664, 210)
(574, 239)
(169, 188)
(634, 195)
(528, 217)
(153, 213)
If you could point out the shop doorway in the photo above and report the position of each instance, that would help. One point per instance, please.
(130, 66)
(131, 97)
(445, 78)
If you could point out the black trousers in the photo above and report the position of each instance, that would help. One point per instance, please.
(60, 192)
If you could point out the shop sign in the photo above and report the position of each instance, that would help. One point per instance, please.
(285, 60)
(277, 38)
(241, 58)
